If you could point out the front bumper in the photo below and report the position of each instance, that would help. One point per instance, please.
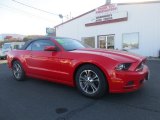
(128, 81)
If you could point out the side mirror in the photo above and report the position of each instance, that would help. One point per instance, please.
(50, 48)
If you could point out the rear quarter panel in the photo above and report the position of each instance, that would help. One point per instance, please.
(19, 55)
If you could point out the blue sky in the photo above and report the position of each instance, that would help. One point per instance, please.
(19, 19)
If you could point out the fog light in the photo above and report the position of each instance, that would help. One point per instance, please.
(141, 81)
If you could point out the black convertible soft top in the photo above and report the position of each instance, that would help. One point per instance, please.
(30, 41)
(40, 38)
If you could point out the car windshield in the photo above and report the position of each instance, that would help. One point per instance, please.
(70, 44)
(6, 46)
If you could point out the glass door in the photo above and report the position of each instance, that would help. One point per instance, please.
(106, 41)
(102, 42)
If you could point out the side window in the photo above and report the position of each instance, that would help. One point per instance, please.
(29, 47)
(39, 45)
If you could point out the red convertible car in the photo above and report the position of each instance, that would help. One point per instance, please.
(70, 62)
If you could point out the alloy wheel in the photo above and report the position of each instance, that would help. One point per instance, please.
(89, 81)
(17, 71)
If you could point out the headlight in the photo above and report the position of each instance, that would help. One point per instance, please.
(123, 66)
(140, 67)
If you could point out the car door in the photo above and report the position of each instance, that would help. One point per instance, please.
(43, 64)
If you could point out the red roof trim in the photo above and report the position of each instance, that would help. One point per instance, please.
(106, 22)
(134, 3)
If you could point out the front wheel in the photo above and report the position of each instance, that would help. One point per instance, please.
(90, 81)
(17, 70)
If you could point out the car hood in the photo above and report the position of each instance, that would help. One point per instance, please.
(117, 55)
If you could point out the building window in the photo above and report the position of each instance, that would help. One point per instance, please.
(130, 40)
(90, 41)
(16, 46)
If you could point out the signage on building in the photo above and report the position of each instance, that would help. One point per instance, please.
(50, 31)
(106, 9)
(105, 12)
(109, 12)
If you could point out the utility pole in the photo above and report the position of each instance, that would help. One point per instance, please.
(108, 1)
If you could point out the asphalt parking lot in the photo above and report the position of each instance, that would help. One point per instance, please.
(40, 100)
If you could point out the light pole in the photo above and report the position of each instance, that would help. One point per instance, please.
(61, 16)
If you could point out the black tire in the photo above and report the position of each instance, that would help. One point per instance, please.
(18, 71)
(90, 81)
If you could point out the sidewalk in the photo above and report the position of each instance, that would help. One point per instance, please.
(3, 61)
(153, 58)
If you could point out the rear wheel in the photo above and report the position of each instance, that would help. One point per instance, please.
(90, 81)
(17, 70)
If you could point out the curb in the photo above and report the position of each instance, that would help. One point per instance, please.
(3, 61)
(155, 59)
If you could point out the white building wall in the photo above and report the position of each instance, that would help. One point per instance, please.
(142, 18)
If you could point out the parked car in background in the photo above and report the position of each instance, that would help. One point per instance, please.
(70, 62)
(8, 47)
(0, 51)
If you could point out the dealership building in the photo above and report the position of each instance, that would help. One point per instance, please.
(134, 27)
